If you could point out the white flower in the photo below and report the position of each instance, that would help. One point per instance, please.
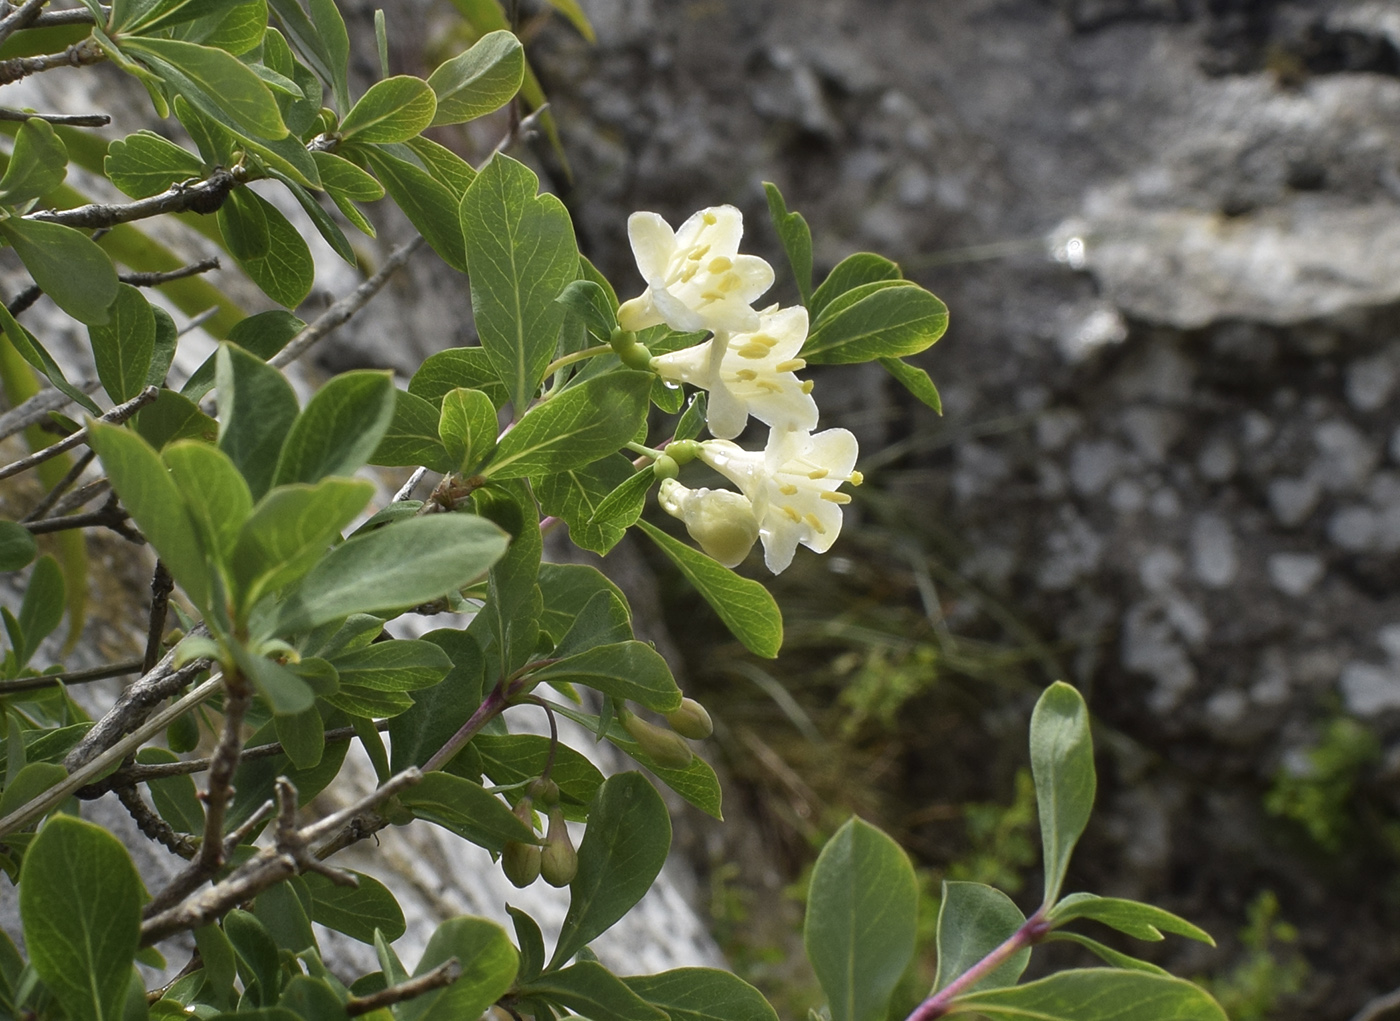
(722, 522)
(696, 280)
(750, 374)
(792, 486)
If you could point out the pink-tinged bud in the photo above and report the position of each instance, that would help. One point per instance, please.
(691, 720)
(664, 747)
(558, 859)
(546, 791)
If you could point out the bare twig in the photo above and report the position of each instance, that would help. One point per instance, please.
(110, 516)
(406, 490)
(20, 17)
(156, 279)
(77, 16)
(84, 52)
(77, 120)
(37, 408)
(60, 487)
(83, 495)
(100, 673)
(199, 320)
(1380, 1005)
(153, 826)
(219, 790)
(444, 974)
(161, 587)
(204, 196)
(346, 307)
(520, 128)
(118, 414)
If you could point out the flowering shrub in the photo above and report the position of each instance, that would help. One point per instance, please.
(565, 411)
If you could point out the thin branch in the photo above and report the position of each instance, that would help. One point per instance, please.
(219, 790)
(199, 320)
(1031, 932)
(1380, 1005)
(80, 53)
(444, 974)
(20, 17)
(204, 196)
(83, 495)
(406, 490)
(60, 487)
(156, 279)
(162, 584)
(110, 516)
(77, 120)
(118, 414)
(99, 673)
(343, 309)
(77, 16)
(37, 408)
(153, 826)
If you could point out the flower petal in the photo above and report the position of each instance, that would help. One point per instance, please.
(653, 244)
(638, 313)
(720, 227)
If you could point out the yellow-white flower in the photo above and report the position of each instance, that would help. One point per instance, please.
(750, 374)
(696, 278)
(792, 487)
(721, 521)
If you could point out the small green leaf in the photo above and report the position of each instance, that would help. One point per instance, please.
(438, 712)
(400, 565)
(852, 272)
(146, 164)
(443, 164)
(67, 265)
(172, 417)
(303, 737)
(915, 380)
(862, 908)
(17, 546)
(467, 426)
(468, 367)
(325, 226)
(80, 898)
(343, 178)
(217, 953)
(271, 251)
(583, 498)
(514, 758)
(587, 300)
(287, 693)
(630, 670)
(38, 163)
(263, 335)
(889, 322)
(339, 429)
(215, 494)
(466, 809)
(522, 252)
(29, 348)
(355, 910)
(1142, 921)
(429, 205)
(412, 437)
(175, 797)
(746, 607)
(42, 608)
(404, 665)
(256, 954)
(796, 238)
(693, 419)
(257, 410)
(482, 79)
(590, 990)
(531, 941)
(974, 920)
(578, 426)
(489, 964)
(309, 998)
(703, 994)
(330, 29)
(124, 346)
(1104, 953)
(281, 912)
(1062, 759)
(163, 354)
(1096, 994)
(29, 781)
(623, 849)
(154, 503)
(393, 110)
(568, 589)
(215, 81)
(603, 621)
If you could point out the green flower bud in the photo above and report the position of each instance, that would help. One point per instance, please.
(683, 451)
(665, 467)
(521, 863)
(558, 859)
(183, 733)
(664, 747)
(546, 790)
(691, 720)
(635, 357)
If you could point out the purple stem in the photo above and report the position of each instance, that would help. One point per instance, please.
(489, 709)
(1032, 931)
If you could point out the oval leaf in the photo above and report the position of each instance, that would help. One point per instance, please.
(974, 920)
(1062, 760)
(1096, 994)
(482, 79)
(393, 110)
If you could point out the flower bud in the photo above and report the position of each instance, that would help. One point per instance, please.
(521, 863)
(558, 859)
(664, 747)
(691, 720)
(665, 467)
(683, 451)
(721, 521)
(546, 791)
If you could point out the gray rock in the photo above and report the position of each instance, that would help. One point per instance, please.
(1369, 690)
(1295, 574)
(1213, 557)
(1293, 500)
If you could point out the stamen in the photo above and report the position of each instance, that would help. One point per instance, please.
(791, 365)
(787, 489)
(839, 498)
(697, 253)
(710, 218)
(712, 296)
(770, 386)
(746, 375)
(751, 350)
(688, 273)
(807, 386)
(796, 517)
(762, 338)
(855, 478)
(820, 473)
(720, 264)
(816, 524)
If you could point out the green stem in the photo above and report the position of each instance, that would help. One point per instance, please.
(577, 356)
(645, 451)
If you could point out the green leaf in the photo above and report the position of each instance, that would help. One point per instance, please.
(489, 964)
(355, 910)
(257, 407)
(42, 608)
(468, 367)
(287, 693)
(289, 530)
(590, 990)
(623, 849)
(703, 994)
(210, 77)
(1062, 759)
(342, 178)
(172, 417)
(393, 110)
(482, 79)
(80, 899)
(1142, 921)
(400, 565)
(1096, 994)
(29, 348)
(303, 737)
(271, 251)
(325, 226)
(148, 16)
(587, 300)
(330, 28)
(467, 426)
(443, 164)
(215, 494)
(403, 665)
(412, 436)
(310, 999)
(281, 912)
(974, 920)
(38, 163)
(579, 496)
(890, 321)
(693, 419)
(263, 335)
(745, 606)
(852, 272)
(466, 809)
(236, 27)
(154, 503)
(17, 546)
(862, 908)
(67, 265)
(339, 429)
(604, 621)
(253, 783)
(521, 248)
(568, 588)
(217, 953)
(124, 346)
(572, 10)
(576, 427)
(915, 380)
(29, 782)
(631, 670)
(175, 797)
(514, 758)
(429, 205)
(796, 238)
(163, 353)
(438, 712)
(1104, 953)
(256, 954)
(531, 941)
(146, 164)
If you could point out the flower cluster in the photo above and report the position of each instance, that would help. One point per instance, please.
(788, 492)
